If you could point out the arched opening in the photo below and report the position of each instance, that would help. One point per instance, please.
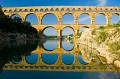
(32, 18)
(84, 19)
(15, 15)
(100, 19)
(115, 18)
(48, 58)
(68, 31)
(67, 58)
(50, 33)
(49, 18)
(81, 60)
(68, 38)
(16, 59)
(68, 18)
(32, 58)
(82, 29)
(50, 44)
(16, 18)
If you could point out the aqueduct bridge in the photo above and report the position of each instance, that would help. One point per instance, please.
(59, 12)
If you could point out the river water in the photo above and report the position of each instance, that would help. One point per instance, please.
(13, 51)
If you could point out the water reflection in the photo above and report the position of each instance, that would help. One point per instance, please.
(32, 58)
(12, 51)
(81, 60)
(68, 58)
(44, 50)
(67, 44)
(48, 58)
(50, 44)
(16, 59)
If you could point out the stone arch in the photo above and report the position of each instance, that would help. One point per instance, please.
(115, 18)
(32, 58)
(81, 60)
(48, 28)
(15, 15)
(101, 19)
(68, 44)
(49, 18)
(57, 9)
(36, 10)
(82, 29)
(68, 59)
(26, 10)
(84, 18)
(16, 59)
(68, 31)
(32, 18)
(41, 10)
(68, 18)
(16, 18)
(50, 44)
(31, 10)
(51, 9)
(49, 58)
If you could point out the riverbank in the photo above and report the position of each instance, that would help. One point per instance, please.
(105, 41)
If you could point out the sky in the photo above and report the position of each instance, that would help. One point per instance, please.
(9, 3)
(68, 18)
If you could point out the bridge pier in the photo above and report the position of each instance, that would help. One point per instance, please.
(59, 38)
(75, 38)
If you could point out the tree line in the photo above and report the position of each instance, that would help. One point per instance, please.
(15, 25)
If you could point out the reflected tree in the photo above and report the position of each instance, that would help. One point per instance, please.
(13, 51)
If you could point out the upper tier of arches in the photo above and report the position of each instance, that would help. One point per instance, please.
(69, 18)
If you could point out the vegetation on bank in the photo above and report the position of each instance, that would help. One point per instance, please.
(16, 27)
(110, 36)
(102, 33)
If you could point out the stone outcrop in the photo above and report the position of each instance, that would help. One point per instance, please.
(89, 39)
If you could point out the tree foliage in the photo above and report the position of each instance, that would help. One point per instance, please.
(15, 25)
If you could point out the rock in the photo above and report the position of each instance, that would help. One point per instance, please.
(117, 63)
(88, 39)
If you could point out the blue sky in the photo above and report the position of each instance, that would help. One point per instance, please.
(67, 19)
(58, 2)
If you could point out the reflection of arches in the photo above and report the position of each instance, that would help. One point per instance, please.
(16, 59)
(67, 45)
(68, 18)
(81, 60)
(50, 31)
(67, 58)
(67, 34)
(32, 59)
(48, 58)
(49, 18)
(84, 19)
(100, 19)
(50, 45)
(32, 18)
(115, 18)
(15, 15)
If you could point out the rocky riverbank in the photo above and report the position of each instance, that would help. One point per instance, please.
(105, 41)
